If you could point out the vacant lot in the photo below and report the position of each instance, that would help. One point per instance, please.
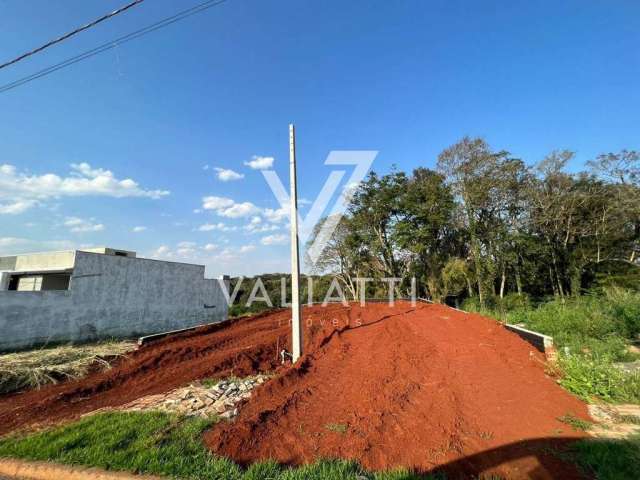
(417, 387)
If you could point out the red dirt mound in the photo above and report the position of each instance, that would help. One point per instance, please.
(408, 386)
(418, 387)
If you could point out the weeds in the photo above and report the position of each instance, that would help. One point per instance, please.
(336, 427)
(589, 375)
(592, 332)
(575, 422)
(36, 368)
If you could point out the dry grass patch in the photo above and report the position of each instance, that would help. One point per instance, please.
(35, 368)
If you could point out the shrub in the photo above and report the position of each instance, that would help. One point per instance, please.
(594, 375)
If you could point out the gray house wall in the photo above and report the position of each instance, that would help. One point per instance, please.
(110, 297)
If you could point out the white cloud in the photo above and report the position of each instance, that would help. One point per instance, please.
(216, 203)
(11, 241)
(14, 245)
(79, 225)
(227, 175)
(278, 239)
(260, 163)
(226, 207)
(208, 227)
(186, 249)
(21, 191)
(17, 207)
(240, 210)
(276, 215)
(161, 250)
(138, 229)
(222, 259)
(260, 227)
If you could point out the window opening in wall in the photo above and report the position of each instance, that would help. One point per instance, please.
(39, 282)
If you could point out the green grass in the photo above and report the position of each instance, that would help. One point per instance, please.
(609, 459)
(590, 375)
(591, 332)
(161, 444)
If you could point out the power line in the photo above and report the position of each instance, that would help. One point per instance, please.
(114, 43)
(71, 34)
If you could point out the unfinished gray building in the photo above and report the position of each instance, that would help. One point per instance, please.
(102, 293)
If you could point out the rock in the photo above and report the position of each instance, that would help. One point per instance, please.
(228, 415)
(198, 400)
(219, 407)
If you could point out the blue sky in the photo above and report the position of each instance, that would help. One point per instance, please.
(216, 90)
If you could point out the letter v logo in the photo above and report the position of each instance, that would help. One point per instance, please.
(362, 159)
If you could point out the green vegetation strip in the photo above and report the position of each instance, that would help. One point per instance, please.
(161, 444)
(591, 332)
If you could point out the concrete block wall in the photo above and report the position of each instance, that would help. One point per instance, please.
(111, 297)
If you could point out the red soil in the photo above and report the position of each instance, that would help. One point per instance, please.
(241, 347)
(420, 387)
(415, 387)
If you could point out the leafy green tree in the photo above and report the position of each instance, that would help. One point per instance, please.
(426, 230)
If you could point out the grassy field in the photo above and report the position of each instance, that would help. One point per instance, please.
(162, 444)
(34, 368)
(591, 332)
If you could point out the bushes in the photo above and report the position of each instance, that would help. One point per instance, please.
(591, 323)
(591, 332)
(499, 307)
(591, 375)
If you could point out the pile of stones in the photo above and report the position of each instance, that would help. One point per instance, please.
(202, 399)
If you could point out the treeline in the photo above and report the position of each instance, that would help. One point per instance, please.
(484, 224)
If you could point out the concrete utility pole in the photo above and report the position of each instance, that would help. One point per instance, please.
(296, 329)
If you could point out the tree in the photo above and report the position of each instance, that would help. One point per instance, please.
(342, 255)
(374, 211)
(476, 176)
(425, 229)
